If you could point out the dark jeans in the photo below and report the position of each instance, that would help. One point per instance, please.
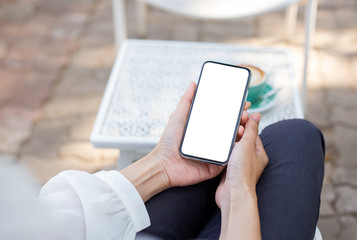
(288, 191)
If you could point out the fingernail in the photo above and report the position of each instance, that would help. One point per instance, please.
(256, 117)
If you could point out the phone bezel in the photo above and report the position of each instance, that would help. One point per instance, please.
(244, 97)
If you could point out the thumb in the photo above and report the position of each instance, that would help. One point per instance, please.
(251, 129)
(260, 151)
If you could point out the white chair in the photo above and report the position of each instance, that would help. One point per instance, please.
(223, 10)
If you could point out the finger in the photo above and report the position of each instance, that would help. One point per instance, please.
(224, 174)
(247, 105)
(244, 118)
(251, 129)
(185, 102)
(239, 133)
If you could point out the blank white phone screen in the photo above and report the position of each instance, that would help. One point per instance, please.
(214, 115)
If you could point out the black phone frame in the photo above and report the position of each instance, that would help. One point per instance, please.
(237, 122)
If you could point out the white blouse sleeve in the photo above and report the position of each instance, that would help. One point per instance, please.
(104, 206)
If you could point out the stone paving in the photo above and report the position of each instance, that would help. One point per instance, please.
(56, 56)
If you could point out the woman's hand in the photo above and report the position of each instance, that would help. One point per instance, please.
(180, 171)
(236, 195)
(246, 164)
(164, 167)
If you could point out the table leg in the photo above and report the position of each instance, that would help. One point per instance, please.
(126, 157)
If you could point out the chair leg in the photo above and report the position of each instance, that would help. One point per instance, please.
(119, 20)
(310, 22)
(142, 11)
(290, 21)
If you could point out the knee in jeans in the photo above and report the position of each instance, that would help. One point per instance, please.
(295, 137)
(303, 127)
(294, 131)
(298, 128)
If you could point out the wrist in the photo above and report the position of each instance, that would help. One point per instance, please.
(147, 175)
(235, 196)
(240, 216)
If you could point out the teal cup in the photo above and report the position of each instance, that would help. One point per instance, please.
(257, 83)
(255, 92)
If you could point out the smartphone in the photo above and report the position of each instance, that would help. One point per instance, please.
(215, 113)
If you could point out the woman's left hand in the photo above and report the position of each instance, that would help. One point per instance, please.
(178, 170)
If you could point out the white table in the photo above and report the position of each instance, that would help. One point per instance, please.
(149, 77)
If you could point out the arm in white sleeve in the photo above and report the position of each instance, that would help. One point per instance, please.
(104, 205)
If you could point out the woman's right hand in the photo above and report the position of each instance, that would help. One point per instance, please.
(246, 164)
(236, 195)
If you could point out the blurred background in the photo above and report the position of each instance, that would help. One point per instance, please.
(56, 57)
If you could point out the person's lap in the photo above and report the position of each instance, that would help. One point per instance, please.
(288, 191)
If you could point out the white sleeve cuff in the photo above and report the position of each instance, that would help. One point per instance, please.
(129, 195)
(102, 206)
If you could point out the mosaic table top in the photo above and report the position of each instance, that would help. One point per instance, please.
(149, 77)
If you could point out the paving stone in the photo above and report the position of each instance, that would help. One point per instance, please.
(15, 127)
(39, 55)
(346, 98)
(12, 137)
(346, 16)
(267, 25)
(47, 137)
(25, 89)
(82, 82)
(332, 153)
(100, 57)
(93, 40)
(79, 150)
(327, 197)
(323, 38)
(46, 168)
(228, 31)
(104, 10)
(348, 36)
(349, 230)
(3, 49)
(347, 160)
(155, 31)
(102, 27)
(109, 158)
(40, 25)
(345, 140)
(329, 228)
(14, 31)
(353, 63)
(58, 8)
(81, 129)
(345, 117)
(8, 85)
(317, 109)
(16, 11)
(188, 31)
(34, 92)
(347, 200)
(325, 22)
(71, 108)
(344, 176)
(339, 77)
(329, 173)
